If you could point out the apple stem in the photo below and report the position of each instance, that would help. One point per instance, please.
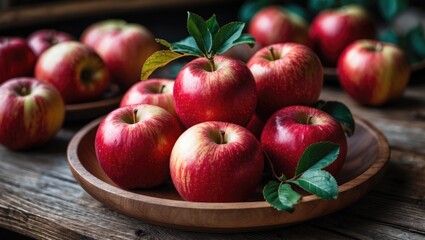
(162, 88)
(222, 141)
(378, 46)
(24, 91)
(212, 64)
(309, 120)
(134, 115)
(273, 55)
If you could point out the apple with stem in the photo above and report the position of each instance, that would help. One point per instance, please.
(32, 112)
(372, 72)
(16, 58)
(42, 39)
(158, 91)
(210, 87)
(123, 46)
(75, 69)
(275, 24)
(285, 74)
(133, 145)
(216, 162)
(289, 131)
(332, 30)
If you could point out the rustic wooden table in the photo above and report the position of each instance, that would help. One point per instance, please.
(40, 198)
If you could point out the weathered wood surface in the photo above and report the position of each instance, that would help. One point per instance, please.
(40, 198)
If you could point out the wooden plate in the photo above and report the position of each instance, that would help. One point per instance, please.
(90, 110)
(367, 157)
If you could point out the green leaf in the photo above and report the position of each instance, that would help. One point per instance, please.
(298, 10)
(163, 42)
(317, 156)
(251, 7)
(340, 112)
(390, 9)
(159, 59)
(320, 5)
(225, 37)
(281, 196)
(198, 29)
(389, 35)
(186, 45)
(319, 183)
(416, 41)
(244, 38)
(213, 25)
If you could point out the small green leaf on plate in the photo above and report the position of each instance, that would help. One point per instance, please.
(319, 183)
(281, 196)
(317, 156)
(158, 59)
(340, 112)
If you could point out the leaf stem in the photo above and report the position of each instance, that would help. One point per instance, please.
(271, 167)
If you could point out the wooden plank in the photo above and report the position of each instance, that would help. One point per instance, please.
(54, 11)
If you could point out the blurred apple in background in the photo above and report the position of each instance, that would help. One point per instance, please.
(43, 39)
(275, 24)
(292, 129)
(16, 58)
(216, 162)
(373, 72)
(75, 69)
(333, 30)
(32, 112)
(123, 46)
(133, 145)
(155, 91)
(285, 74)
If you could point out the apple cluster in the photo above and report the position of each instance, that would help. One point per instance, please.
(212, 128)
(371, 72)
(50, 69)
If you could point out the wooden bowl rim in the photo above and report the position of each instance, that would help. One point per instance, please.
(78, 168)
(104, 102)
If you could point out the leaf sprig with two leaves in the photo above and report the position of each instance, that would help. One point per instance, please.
(309, 174)
(206, 39)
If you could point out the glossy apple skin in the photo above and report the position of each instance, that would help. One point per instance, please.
(123, 46)
(205, 170)
(75, 69)
(373, 73)
(227, 93)
(274, 24)
(16, 58)
(286, 135)
(331, 31)
(137, 155)
(293, 77)
(155, 91)
(32, 112)
(40, 40)
(255, 126)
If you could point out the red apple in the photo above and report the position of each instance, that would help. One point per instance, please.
(75, 69)
(372, 72)
(158, 91)
(274, 24)
(32, 112)
(16, 58)
(285, 74)
(255, 126)
(216, 162)
(292, 129)
(333, 30)
(43, 39)
(123, 46)
(222, 89)
(133, 145)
